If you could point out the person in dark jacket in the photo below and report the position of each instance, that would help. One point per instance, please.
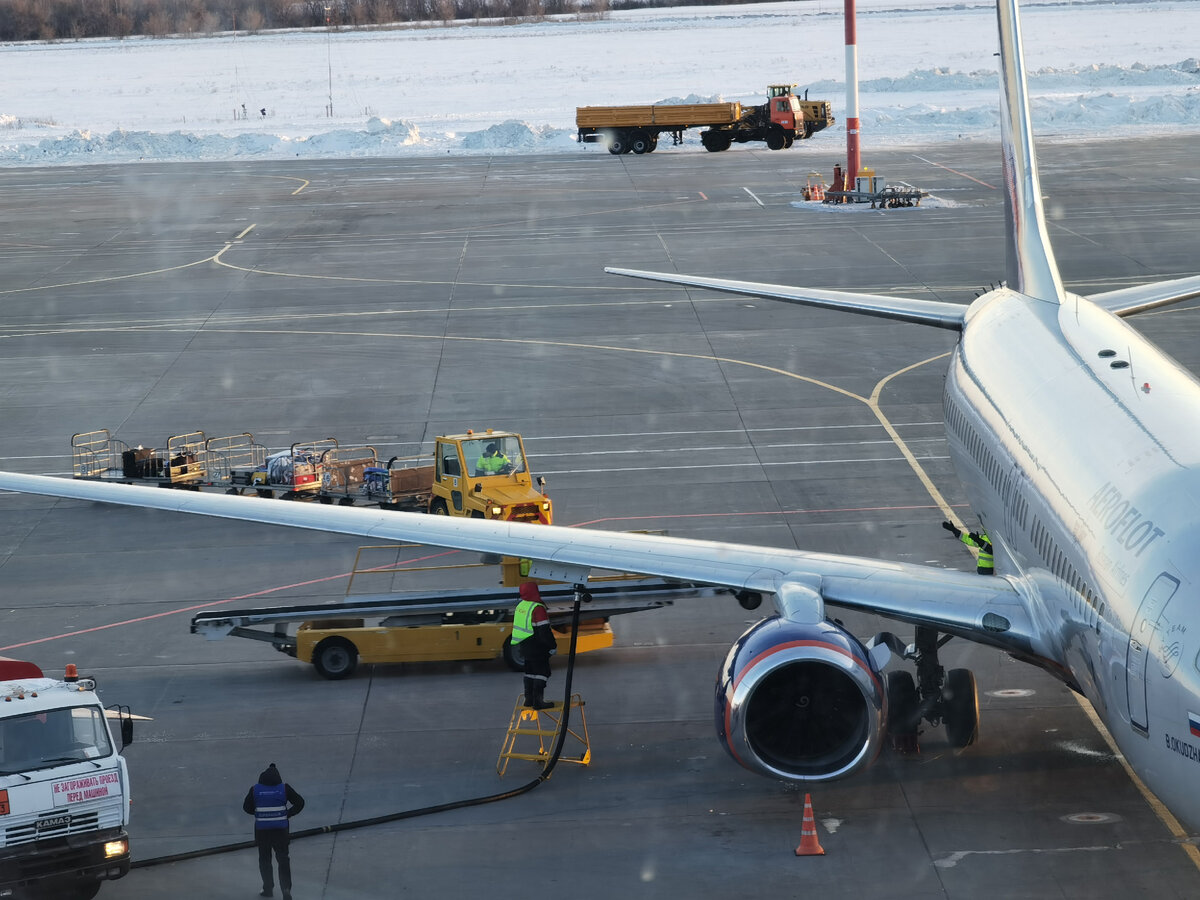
(273, 803)
(532, 636)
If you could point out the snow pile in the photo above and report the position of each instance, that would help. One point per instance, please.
(514, 135)
(690, 98)
(378, 138)
(1098, 68)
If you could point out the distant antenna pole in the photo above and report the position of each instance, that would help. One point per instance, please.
(852, 126)
(329, 55)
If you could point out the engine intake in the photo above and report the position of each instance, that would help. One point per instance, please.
(800, 702)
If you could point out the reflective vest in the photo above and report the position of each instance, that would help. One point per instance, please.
(523, 621)
(493, 464)
(986, 560)
(270, 806)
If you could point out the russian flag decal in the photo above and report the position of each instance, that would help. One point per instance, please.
(1194, 724)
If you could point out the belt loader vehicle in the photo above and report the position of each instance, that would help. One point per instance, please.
(779, 122)
(64, 787)
(409, 627)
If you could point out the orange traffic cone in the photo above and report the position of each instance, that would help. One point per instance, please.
(809, 845)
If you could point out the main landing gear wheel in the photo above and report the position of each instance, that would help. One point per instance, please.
(960, 708)
(904, 711)
(335, 658)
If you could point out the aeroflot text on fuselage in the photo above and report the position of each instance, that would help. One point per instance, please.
(1123, 520)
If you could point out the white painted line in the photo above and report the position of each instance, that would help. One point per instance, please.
(752, 197)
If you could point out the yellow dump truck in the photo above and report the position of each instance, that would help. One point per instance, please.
(782, 120)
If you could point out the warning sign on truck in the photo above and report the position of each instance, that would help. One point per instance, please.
(86, 787)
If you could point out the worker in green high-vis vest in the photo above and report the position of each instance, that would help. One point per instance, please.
(985, 562)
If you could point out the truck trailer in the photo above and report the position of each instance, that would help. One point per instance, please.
(64, 787)
(782, 120)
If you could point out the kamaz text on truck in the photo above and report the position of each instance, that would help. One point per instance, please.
(782, 120)
(64, 787)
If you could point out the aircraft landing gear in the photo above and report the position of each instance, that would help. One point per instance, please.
(904, 712)
(937, 696)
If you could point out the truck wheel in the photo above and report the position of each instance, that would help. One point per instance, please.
(618, 143)
(335, 658)
(640, 143)
(776, 139)
(513, 656)
(438, 507)
(715, 141)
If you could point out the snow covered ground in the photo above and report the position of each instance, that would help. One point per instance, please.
(927, 71)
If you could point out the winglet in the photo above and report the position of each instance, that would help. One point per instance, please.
(1031, 268)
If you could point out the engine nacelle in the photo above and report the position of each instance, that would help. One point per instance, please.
(800, 702)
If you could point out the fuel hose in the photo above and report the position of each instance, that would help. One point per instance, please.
(580, 594)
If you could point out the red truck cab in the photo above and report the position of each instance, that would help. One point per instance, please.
(784, 109)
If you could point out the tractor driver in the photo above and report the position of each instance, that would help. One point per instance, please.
(493, 462)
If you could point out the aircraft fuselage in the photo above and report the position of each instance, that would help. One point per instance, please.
(1078, 442)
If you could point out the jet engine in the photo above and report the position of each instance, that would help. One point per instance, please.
(801, 702)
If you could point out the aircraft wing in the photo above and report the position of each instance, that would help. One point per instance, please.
(984, 609)
(1130, 300)
(903, 309)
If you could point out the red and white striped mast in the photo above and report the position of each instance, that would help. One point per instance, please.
(852, 126)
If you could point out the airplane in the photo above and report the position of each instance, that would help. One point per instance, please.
(1075, 440)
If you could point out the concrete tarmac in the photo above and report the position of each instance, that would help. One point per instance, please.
(385, 302)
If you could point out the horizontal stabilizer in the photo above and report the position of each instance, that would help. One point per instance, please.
(1130, 300)
(920, 312)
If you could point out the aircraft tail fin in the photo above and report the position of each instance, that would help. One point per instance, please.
(1030, 267)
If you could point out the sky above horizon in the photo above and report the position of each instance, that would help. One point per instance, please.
(927, 74)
